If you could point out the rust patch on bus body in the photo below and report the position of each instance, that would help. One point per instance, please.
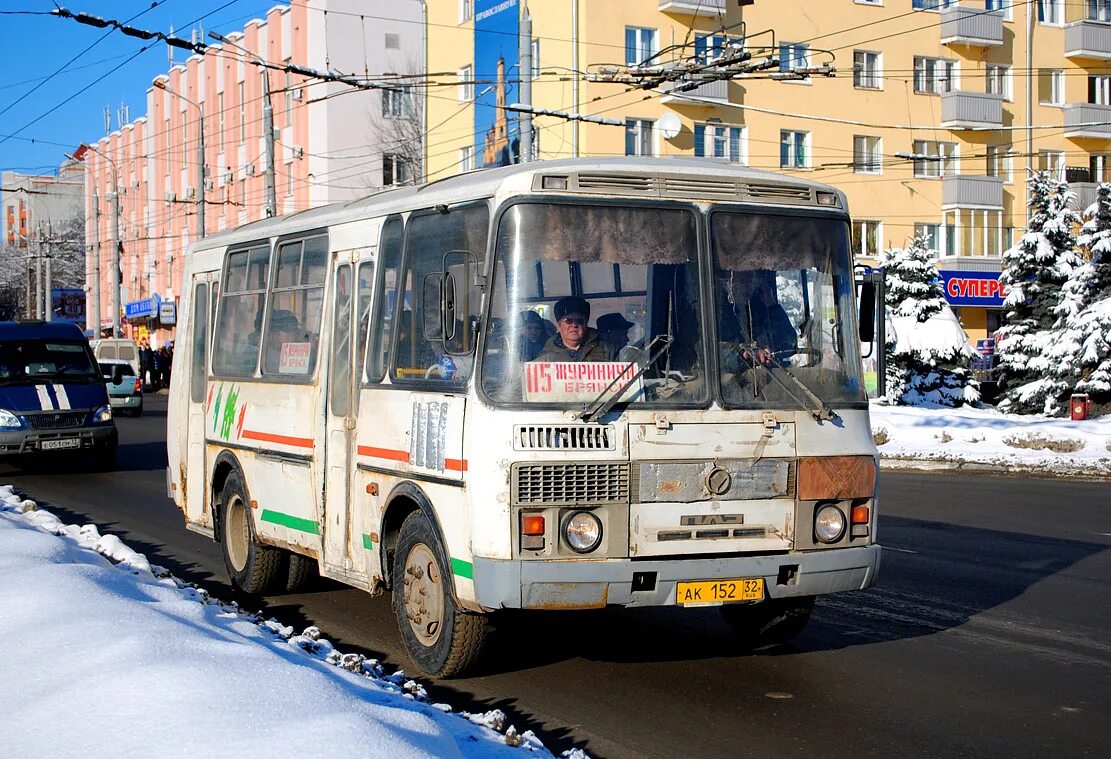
(563, 596)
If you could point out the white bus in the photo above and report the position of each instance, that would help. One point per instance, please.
(558, 385)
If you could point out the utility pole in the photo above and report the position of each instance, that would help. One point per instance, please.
(48, 303)
(96, 264)
(268, 134)
(524, 46)
(38, 277)
(117, 274)
(202, 170)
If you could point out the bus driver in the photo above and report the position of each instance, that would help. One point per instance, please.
(574, 341)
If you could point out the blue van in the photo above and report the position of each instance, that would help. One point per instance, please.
(52, 395)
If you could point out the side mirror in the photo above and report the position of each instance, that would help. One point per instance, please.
(462, 294)
(867, 311)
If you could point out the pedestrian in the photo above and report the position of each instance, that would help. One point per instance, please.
(146, 362)
(163, 361)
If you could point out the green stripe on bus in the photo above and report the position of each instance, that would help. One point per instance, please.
(368, 542)
(462, 568)
(292, 522)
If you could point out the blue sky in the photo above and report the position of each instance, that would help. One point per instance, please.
(71, 103)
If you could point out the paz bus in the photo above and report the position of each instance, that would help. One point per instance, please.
(558, 385)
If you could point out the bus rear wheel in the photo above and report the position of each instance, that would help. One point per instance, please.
(252, 567)
(776, 620)
(441, 638)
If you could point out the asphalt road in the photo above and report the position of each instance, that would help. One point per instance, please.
(987, 634)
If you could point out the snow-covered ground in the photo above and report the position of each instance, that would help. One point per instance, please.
(106, 655)
(980, 438)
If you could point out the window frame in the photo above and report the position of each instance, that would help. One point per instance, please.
(222, 297)
(999, 75)
(937, 157)
(1058, 12)
(930, 76)
(637, 48)
(876, 225)
(861, 75)
(793, 148)
(733, 133)
(641, 138)
(873, 163)
(466, 83)
(302, 236)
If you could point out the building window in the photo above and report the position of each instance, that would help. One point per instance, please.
(639, 137)
(932, 233)
(1054, 162)
(866, 239)
(535, 57)
(999, 80)
(466, 84)
(393, 41)
(935, 159)
(931, 5)
(395, 103)
(867, 155)
(720, 141)
(1099, 167)
(1099, 89)
(640, 45)
(868, 2)
(1000, 162)
(1051, 12)
(395, 170)
(794, 150)
(1099, 10)
(466, 10)
(242, 112)
(934, 75)
(973, 232)
(793, 55)
(867, 73)
(1051, 86)
(288, 95)
(710, 47)
(466, 158)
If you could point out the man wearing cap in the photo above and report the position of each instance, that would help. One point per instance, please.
(613, 329)
(574, 341)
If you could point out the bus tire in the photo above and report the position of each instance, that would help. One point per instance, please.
(770, 622)
(302, 571)
(441, 638)
(252, 567)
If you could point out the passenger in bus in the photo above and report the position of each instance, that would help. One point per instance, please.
(613, 330)
(574, 341)
(754, 317)
(283, 329)
(532, 337)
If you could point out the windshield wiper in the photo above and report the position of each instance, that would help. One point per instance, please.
(812, 403)
(608, 398)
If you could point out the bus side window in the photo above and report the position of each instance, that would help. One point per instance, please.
(365, 286)
(239, 317)
(341, 344)
(295, 310)
(430, 238)
(200, 341)
(386, 300)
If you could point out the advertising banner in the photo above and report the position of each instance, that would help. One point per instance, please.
(68, 304)
(972, 288)
(496, 29)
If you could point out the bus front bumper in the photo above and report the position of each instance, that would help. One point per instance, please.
(515, 584)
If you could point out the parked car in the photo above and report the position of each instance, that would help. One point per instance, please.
(52, 396)
(117, 347)
(125, 389)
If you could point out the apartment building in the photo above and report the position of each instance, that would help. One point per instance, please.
(331, 142)
(31, 200)
(936, 114)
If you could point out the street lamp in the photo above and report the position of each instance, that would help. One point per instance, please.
(158, 83)
(79, 155)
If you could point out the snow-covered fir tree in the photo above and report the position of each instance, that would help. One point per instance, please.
(1080, 354)
(1034, 271)
(929, 359)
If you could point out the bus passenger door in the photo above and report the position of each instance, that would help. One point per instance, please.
(193, 478)
(340, 555)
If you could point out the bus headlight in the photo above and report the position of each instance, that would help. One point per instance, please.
(582, 531)
(9, 421)
(829, 524)
(103, 414)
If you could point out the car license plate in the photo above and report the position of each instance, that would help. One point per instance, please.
(68, 442)
(714, 592)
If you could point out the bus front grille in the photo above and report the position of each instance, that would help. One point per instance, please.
(570, 484)
(571, 437)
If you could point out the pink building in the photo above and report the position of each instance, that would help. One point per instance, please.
(328, 146)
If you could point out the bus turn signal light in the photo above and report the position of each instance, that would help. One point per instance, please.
(860, 515)
(532, 524)
(824, 478)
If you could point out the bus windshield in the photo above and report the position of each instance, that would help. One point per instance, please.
(588, 299)
(785, 325)
(46, 360)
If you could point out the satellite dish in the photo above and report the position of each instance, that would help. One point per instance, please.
(669, 125)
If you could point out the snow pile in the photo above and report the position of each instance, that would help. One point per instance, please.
(929, 358)
(107, 655)
(985, 438)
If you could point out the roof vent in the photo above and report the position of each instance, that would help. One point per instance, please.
(778, 192)
(713, 187)
(634, 184)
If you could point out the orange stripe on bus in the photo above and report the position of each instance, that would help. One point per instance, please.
(269, 437)
(384, 453)
(456, 465)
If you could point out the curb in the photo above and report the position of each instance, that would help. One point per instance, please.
(999, 470)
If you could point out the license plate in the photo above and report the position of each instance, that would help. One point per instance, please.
(714, 592)
(52, 445)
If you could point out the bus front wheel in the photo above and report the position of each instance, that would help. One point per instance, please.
(776, 620)
(441, 638)
(252, 567)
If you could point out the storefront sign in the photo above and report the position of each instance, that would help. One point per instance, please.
(167, 313)
(141, 309)
(576, 381)
(986, 347)
(972, 288)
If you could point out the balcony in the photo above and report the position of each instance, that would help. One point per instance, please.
(1089, 40)
(971, 26)
(717, 91)
(1088, 121)
(1085, 195)
(710, 8)
(968, 191)
(971, 110)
